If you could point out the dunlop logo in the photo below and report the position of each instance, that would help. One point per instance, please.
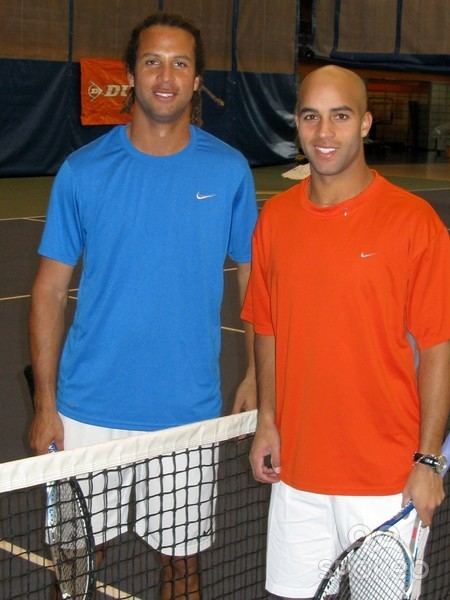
(111, 90)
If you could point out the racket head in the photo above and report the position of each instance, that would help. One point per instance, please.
(70, 539)
(377, 566)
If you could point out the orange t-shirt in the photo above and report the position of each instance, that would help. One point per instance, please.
(341, 288)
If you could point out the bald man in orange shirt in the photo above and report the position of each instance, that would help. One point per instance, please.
(347, 269)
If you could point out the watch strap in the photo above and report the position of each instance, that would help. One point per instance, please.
(430, 460)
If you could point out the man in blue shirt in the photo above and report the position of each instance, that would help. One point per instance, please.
(152, 210)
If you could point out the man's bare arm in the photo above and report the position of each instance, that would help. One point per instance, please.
(46, 331)
(265, 452)
(424, 486)
(245, 398)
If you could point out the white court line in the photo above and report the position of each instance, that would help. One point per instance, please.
(232, 329)
(444, 189)
(36, 218)
(23, 296)
(230, 269)
(36, 559)
(15, 297)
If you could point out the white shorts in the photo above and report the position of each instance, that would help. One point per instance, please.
(174, 494)
(307, 532)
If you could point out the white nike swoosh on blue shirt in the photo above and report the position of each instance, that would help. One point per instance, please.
(204, 196)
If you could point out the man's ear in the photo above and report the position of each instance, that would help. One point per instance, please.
(366, 124)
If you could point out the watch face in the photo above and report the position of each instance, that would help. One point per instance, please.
(442, 464)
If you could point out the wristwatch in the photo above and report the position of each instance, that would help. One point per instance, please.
(437, 463)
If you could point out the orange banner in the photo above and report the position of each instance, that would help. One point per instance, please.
(104, 88)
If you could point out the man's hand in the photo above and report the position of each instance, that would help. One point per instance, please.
(425, 488)
(245, 397)
(265, 454)
(46, 428)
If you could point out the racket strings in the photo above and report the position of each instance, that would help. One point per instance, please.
(380, 568)
(68, 539)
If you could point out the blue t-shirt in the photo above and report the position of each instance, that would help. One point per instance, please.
(153, 233)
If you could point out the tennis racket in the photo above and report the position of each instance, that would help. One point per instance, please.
(68, 530)
(69, 535)
(378, 565)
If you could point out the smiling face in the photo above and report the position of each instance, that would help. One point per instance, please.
(332, 121)
(164, 77)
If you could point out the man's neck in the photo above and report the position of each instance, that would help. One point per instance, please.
(159, 139)
(327, 190)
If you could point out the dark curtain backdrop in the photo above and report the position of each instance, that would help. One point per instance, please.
(251, 48)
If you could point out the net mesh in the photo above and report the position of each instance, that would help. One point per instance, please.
(436, 573)
(172, 510)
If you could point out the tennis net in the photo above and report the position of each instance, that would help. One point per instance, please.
(183, 492)
(436, 574)
(179, 502)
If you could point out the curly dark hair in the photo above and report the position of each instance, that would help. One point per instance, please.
(166, 20)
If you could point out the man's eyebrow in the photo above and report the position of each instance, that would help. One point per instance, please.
(343, 108)
(306, 109)
(157, 54)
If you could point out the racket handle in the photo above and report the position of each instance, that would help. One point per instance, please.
(52, 447)
(396, 518)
